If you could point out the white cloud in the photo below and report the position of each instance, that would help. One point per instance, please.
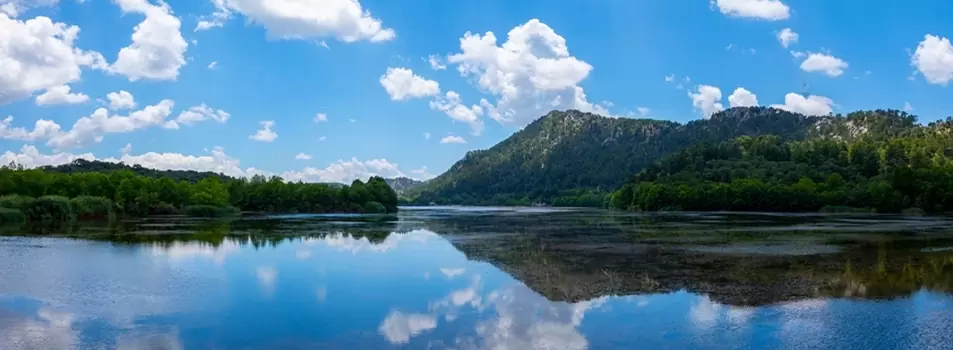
(742, 98)
(643, 111)
(798, 54)
(427, 136)
(812, 105)
(213, 65)
(934, 59)
(126, 149)
(10, 9)
(819, 62)
(38, 54)
(346, 171)
(707, 99)
(42, 129)
(771, 10)
(200, 113)
(421, 174)
(345, 20)
(265, 134)
(402, 84)
(453, 139)
(217, 19)
(303, 156)
(157, 50)
(322, 138)
(907, 107)
(120, 100)
(435, 62)
(671, 77)
(787, 37)
(60, 95)
(30, 157)
(452, 272)
(267, 276)
(530, 74)
(91, 129)
(453, 106)
(399, 327)
(320, 117)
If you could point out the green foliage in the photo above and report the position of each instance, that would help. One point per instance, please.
(210, 211)
(585, 154)
(123, 192)
(9, 216)
(374, 208)
(93, 208)
(910, 171)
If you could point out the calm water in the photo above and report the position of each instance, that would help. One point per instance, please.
(484, 278)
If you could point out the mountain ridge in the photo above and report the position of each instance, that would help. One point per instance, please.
(565, 155)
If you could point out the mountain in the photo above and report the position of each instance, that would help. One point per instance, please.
(401, 184)
(575, 158)
(84, 166)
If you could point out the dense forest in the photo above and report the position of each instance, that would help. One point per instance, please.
(889, 170)
(575, 158)
(571, 158)
(42, 194)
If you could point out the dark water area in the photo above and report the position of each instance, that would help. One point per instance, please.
(483, 278)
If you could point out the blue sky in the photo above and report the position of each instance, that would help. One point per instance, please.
(237, 66)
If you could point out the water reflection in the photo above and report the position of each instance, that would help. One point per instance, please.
(482, 280)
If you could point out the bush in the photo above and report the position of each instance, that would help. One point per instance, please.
(9, 216)
(93, 208)
(373, 207)
(51, 208)
(14, 201)
(210, 211)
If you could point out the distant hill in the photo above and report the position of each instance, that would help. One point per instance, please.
(574, 158)
(401, 184)
(82, 165)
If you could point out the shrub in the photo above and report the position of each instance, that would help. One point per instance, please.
(9, 216)
(210, 211)
(93, 208)
(14, 201)
(51, 208)
(374, 208)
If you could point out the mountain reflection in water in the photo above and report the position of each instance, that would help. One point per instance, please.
(478, 278)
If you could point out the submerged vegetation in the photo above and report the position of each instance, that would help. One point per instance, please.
(57, 196)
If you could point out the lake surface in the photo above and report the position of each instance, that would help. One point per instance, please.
(484, 278)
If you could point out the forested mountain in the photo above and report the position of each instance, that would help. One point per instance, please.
(575, 158)
(883, 171)
(401, 184)
(86, 166)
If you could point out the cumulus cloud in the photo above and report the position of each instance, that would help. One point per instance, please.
(787, 37)
(91, 129)
(126, 149)
(829, 65)
(344, 20)
(38, 54)
(436, 62)
(453, 107)
(303, 156)
(61, 94)
(399, 327)
(320, 117)
(200, 113)
(742, 98)
(265, 134)
(121, 100)
(42, 129)
(213, 64)
(402, 84)
(769, 10)
(346, 171)
(707, 99)
(157, 50)
(933, 58)
(453, 139)
(530, 74)
(421, 174)
(810, 105)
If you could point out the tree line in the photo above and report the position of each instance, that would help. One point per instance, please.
(35, 194)
(880, 172)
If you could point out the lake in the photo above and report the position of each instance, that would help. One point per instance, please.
(484, 278)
